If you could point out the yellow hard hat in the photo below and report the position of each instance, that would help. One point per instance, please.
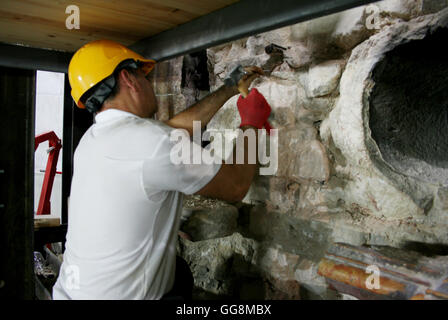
(96, 61)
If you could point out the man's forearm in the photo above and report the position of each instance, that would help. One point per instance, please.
(232, 181)
(245, 171)
(203, 110)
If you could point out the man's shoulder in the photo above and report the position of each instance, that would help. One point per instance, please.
(148, 128)
(129, 138)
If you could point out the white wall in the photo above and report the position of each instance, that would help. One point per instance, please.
(49, 117)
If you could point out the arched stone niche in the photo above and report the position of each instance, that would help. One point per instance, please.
(391, 121)
(408, 108)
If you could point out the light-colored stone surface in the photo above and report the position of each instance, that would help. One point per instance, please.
(344, 29)
(324, 78)
(352, 27)
(288, 140)
(432, 6)
(314, 28)
(331, 184)
(312, 163)
(166, 79)
(283, 194)
(278, 263)
(320, 104)
(298, 55)
(403, 9)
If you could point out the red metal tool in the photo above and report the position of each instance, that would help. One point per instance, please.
(50, 171)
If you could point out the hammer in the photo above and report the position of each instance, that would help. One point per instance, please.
(234, 77)
(276, 56)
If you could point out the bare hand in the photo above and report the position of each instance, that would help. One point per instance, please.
(252, 73)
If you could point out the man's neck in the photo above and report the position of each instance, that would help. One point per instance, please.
(122, 107)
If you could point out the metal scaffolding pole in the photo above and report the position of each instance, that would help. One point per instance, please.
(15, 56)
(242, 19)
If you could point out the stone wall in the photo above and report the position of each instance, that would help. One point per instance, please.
(332, 184)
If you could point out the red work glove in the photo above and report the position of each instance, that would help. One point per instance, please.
(254, 110)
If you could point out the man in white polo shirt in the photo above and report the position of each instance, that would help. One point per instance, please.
(126, 194)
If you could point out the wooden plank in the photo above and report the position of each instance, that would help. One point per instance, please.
(46, 222)
(49, 35)
(133, 16)
(129, 10)
(58, 40)
(48, 27)
(198, 7)
(144, 9)
(121, 18)
(41, 23)
(92, 18)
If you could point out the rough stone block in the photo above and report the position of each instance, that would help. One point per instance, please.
(309, 117)
(279, 264)
(432, 6)
(291, 143)
(211, 223)
(258, 191)
(306, 273)
(283, 194)
(312, 163)
(351, 28)
(316, 27)
(298, 55)
(324, 78)
(442, 195)
(284, 72)
(279, 94)
(277, 289)
(311, 197)
(288, 142)
(403, 9)
(279, 36)
(320, 104)
(256, 44)
(211, 262)
(348, 28)
(344, 30)
(179, 104)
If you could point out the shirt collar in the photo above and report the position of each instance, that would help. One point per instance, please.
(112, 114)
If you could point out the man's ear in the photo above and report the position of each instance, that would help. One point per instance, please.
(127, 79)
